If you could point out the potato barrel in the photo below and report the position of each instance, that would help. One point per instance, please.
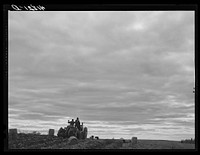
(13, 133)
(134, 140)
(51, 132)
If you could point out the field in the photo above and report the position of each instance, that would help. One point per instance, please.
(31, 141)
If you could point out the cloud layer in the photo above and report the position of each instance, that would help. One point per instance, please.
(122, 73)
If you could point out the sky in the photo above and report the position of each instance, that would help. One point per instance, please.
(123, 73)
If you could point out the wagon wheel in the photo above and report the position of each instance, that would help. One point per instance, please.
(82, 135)
(85, 131)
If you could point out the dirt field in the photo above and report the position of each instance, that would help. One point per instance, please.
(25, 141)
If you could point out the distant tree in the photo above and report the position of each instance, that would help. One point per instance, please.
(190, 141)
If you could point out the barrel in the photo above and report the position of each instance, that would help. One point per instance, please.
(51, 132)
(134, 140)
(13, 134)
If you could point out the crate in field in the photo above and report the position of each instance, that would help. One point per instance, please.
(51, 132)
(134, 140)
(13, 134)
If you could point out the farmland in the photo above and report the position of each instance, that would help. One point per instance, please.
(31, 141)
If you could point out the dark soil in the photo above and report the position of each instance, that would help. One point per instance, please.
(31, 141)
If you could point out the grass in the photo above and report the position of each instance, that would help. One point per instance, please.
(31, 141)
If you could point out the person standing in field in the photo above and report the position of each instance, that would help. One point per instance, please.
(77, 123)
(71, 122)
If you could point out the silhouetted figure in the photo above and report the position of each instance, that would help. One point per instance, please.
(96, 137)
(71, 122)
(77, 123)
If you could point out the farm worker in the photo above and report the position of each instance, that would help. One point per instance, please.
(77, 123)
(71, 122)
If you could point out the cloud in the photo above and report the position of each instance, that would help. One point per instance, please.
(117, 67)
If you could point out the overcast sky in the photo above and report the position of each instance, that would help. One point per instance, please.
(123, 73)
